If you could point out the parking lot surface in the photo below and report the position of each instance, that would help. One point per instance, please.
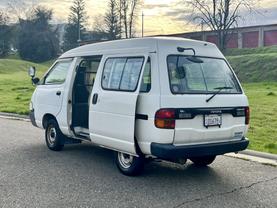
(85, 176)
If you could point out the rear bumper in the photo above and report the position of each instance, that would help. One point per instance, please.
(169, 151)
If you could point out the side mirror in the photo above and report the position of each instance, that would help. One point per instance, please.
(35, 80)
(32, 71)
(32, 74)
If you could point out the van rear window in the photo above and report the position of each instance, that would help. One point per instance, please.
(199, 75)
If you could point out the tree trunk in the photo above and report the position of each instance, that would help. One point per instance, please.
(221, 38)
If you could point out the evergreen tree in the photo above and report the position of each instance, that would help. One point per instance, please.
(112, 25)
(37, 41)
(75, 28)
(5, 34)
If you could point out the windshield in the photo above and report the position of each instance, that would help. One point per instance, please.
(206, 75)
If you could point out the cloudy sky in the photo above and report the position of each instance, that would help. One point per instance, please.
(161, 16)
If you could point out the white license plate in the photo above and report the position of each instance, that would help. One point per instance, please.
(212, 120)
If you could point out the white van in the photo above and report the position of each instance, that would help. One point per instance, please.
(167, 98)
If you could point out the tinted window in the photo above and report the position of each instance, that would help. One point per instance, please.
(112, 73)
(146, 80)
(58, 73)
(121, 73)
(186, 76)
(131, 74)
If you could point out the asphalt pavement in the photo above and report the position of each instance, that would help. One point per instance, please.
(85, 176)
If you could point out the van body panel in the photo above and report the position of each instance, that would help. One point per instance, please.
(112, 118)
(145, 130)
(193, 131)
(119, 118)
(64, 116)
(147, 105)
(199, 101)
(47, 102)
(116, 47)
(52, 99)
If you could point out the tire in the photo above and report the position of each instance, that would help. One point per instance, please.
(129, 165)
(53, 136)
(203, 161)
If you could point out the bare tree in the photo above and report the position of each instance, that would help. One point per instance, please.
(18, 9)
(128, 13)
(133, 8)
(221, 16)
(3, 18)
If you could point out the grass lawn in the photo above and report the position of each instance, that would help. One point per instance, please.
(15, 85)
(245, 51)
(16, 90)
(255, 67)
(263, 123)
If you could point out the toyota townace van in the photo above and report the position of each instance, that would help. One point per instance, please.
(167, 98)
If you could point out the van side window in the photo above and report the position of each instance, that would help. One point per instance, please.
(146, 79)
(87, 70)
(122, 73)
(58, 73)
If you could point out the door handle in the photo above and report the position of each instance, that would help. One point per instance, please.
(58, 93)
(94, 98)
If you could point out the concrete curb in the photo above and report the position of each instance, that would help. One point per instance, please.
(14, 116)
(261, 160)
(259, 154)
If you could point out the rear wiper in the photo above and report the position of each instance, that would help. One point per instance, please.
(219, 89)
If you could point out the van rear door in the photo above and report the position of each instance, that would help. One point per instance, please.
(113, 102)
(209, 105)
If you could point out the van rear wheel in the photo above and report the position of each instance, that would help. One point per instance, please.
(203, 161)
(53, 136)
(129, 165)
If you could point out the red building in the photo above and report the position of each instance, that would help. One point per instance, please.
(242, 37)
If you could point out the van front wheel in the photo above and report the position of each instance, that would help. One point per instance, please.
(53, 136)
(203, 161)
(129, 165)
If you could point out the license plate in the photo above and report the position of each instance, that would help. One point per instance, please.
(212, 120)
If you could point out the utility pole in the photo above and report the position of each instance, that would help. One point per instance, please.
(202, 30)
(120, 18)
(79, 34)
(142, 24)
(79, 30)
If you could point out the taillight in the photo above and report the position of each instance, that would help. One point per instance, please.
(247, 115)
(165, 119)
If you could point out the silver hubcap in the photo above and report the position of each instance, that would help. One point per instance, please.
(125, 160)
(51, 135)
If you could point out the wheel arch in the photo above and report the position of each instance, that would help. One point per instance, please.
(137, 147)
(47, 117)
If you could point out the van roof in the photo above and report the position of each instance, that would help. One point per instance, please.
(149, 44)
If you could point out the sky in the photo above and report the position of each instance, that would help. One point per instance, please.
(161, 16)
